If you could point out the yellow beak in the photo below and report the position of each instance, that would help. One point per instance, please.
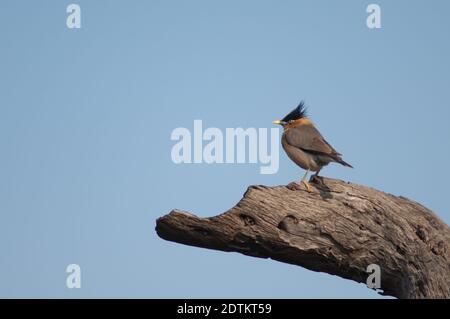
(277, 122)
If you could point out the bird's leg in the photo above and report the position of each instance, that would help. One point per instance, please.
(304, 182)
(317, 173)
(316, 176)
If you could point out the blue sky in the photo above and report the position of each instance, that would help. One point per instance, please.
(86, 117)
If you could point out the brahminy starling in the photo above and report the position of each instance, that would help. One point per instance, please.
(304, 144)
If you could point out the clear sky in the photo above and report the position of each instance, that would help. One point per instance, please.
(86, 117)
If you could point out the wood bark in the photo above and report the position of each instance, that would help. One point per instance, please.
(338, 228)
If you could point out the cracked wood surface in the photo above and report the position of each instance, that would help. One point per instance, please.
(338, 228)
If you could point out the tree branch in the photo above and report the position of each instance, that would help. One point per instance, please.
(339, 228)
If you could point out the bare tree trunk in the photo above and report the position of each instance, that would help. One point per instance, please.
(339, 228)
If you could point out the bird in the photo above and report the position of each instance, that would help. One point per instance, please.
(304, 144)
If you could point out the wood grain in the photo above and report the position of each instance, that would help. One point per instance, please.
(339, 228)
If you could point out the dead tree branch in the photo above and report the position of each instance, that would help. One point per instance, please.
(339, 228)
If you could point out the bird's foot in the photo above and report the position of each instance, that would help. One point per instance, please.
(308, 187)
(317, 179)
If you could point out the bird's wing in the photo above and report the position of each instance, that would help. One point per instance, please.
(336, 152)
(308, 138)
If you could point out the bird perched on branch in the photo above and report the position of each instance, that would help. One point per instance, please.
(304, 144)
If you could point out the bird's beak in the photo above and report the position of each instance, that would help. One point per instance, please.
(278, 122)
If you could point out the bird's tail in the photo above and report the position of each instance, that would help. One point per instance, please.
(341, 161)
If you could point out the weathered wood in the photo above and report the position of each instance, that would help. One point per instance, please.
(339, 228)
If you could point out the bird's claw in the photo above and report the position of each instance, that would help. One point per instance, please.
(317, 180)
(308, 188)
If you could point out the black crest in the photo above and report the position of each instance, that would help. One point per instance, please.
(298, 113)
